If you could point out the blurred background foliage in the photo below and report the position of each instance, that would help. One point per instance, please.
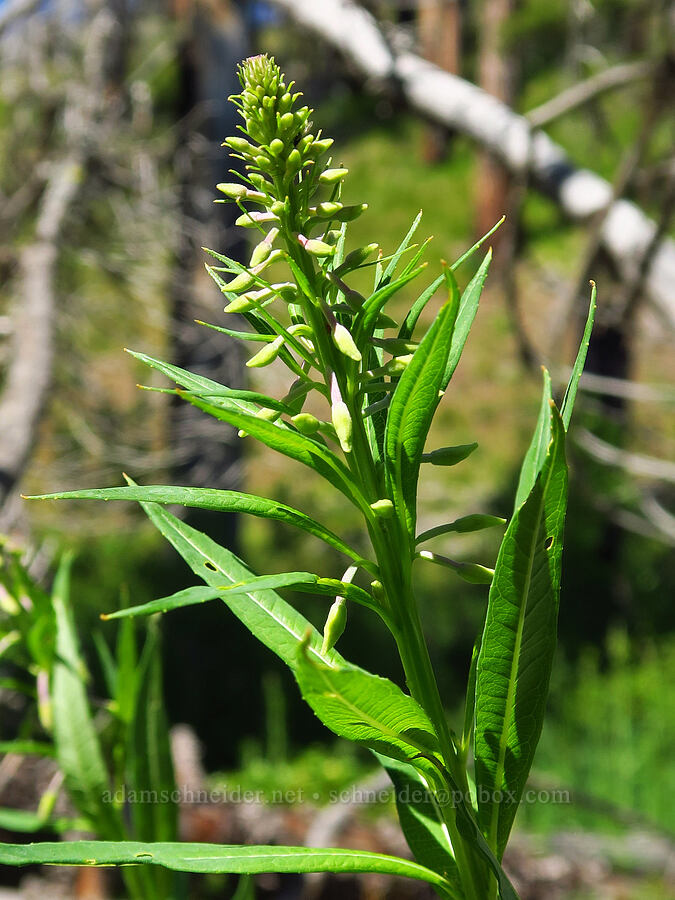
(133, 94)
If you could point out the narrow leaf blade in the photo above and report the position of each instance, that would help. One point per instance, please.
(214, 858)
(518, 643)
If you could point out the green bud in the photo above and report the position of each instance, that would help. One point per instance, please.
(232, 190)
(253, 219)
(267, 355)
(294, 162)
(286, 121)
(335, 624)
(240, 305)
(449, 456)
(342, 422)
(377, 590)
(263, 250)
(243, 281)
(355, 259)
(276, 147)
(319, 147)
(332, 176)
(306, 423)
(329, 209)
(383, 509)
(318, 248)
(278, 207)
(345, 342)
(240, 145)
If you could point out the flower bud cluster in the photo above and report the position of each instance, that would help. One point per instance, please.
(279, 149)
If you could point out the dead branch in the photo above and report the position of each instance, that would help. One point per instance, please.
(635, 463)
(455, 103)
(29, 373)
(584, 92)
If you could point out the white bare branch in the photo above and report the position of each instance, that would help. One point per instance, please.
(457, 104)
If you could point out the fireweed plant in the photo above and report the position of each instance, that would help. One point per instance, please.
(457, 789)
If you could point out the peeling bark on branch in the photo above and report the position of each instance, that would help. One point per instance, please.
(449, 100)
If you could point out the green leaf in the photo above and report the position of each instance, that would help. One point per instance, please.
(367, 316)
(239, 335)
(411, 412)
(77, 746)
(468, 307)
(407, 328)
(518, 644)
(26, 822)
(221, 501)
(296, 446)
(214, 858)
(127, 673)
(536, 452)
(571, 392)
(188, 597)
(267, 616)
(479, 243)
(402, 247)
(27, 748)
(149, 765)
(196, 383)
(422, 821)
(365, 708)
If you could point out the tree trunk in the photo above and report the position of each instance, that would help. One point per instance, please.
(439, 28)
(496, 76)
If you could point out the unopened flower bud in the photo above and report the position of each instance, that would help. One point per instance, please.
(345, 342)
(232, 190)
(355, 259)
(276, 147)
(335, 624)
(329, 209)
(242, 281)
(294, 162)
(332, 176)
(316, 247)
(268, 353)
(342, 422)
(306, 423)
(383, 509)
(253, 219)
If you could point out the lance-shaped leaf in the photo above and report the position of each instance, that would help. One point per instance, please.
(536, 452)
(422, 820)
(292, 444)
(571, 392)
(516, 655)
(78, 750)
(411, 412)
(266, 615)
(386, 276)
(365, 708)
(300, 581)
(191, 382)
(468, 307)
(211, 498)
(367, 316)
(214, 858)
